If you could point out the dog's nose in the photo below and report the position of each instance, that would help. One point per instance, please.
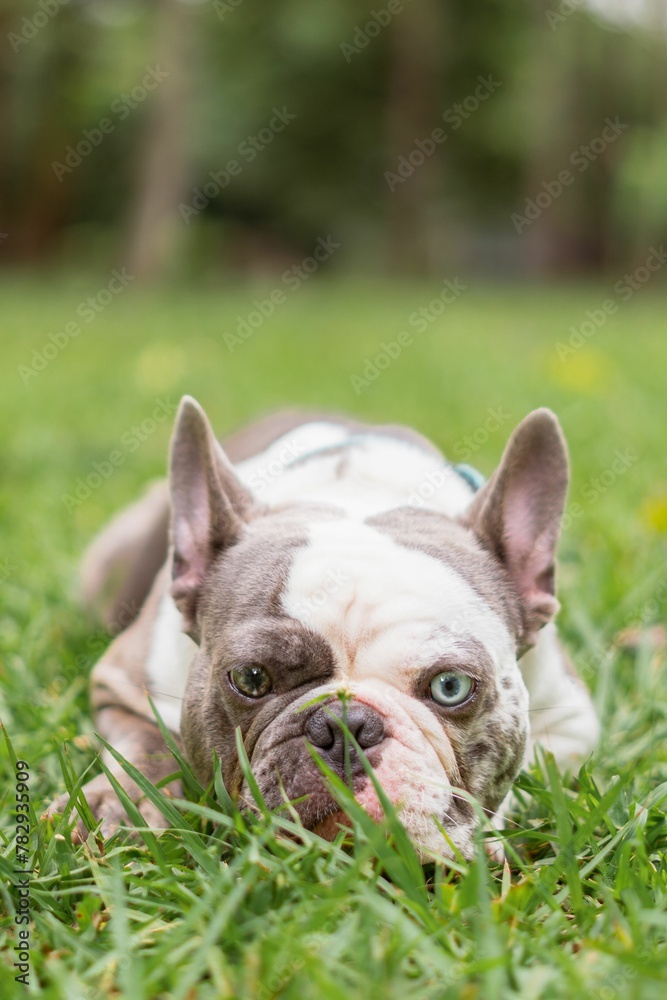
(324, 730)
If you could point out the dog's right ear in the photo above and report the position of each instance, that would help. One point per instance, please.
(517, 515)
(209, 505)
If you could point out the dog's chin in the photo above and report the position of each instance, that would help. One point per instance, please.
(329, 827)
(321, 814)
(324, 816)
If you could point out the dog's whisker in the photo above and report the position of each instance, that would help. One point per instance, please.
(150, 693)
(552, 708)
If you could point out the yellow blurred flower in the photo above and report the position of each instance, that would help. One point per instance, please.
(654, 513)
(586, 370)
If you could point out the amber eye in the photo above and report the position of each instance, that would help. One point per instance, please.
(451, 689)
(254, 681)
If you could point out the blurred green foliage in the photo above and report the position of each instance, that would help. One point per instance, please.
(364, 84)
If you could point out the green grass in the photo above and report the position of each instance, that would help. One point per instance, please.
(228, 906)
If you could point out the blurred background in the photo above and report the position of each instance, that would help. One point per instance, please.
(145, 131)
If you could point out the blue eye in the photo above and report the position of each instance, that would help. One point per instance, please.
(451, 689)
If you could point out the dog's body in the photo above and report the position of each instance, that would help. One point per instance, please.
(342, 558)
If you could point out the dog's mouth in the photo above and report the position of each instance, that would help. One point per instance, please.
(329, 827)
(324, 816)
(321, 814)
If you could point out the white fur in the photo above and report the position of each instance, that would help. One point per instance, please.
(169, 660)
(261, 471)
(378, 604)
(562, 717)
(380, 473)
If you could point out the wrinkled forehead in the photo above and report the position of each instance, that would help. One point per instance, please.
(389, 597)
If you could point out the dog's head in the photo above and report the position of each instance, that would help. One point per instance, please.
(419, 619)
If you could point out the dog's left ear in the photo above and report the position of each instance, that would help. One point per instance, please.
(209, 505)
(517, 514)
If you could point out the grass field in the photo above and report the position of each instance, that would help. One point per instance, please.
(220, 906)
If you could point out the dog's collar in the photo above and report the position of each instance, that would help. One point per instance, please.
(472, 476)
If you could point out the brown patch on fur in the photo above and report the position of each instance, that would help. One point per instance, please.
(243, 621)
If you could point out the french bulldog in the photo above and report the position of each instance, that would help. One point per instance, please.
(315, 557)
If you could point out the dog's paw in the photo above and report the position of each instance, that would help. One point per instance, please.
(495, 850)
(106, 809)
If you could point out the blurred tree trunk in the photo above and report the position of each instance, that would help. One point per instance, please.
(648, 227)
(414, 110)
(571, 96)
(550, 131)
(34, 202)
(591, 223)
(163, 169)
(6, 21)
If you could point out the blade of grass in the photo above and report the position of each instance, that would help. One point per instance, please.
(170, 813)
